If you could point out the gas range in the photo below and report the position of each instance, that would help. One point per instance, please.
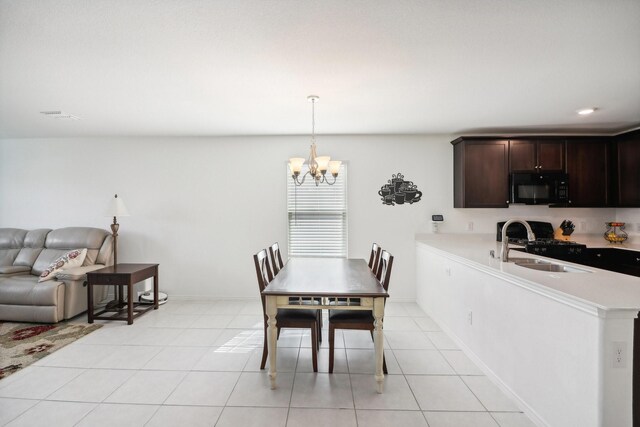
(551, 247)
(544, 245)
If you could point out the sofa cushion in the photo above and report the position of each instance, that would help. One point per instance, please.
(46, 257)
(33, 244)
(14, 269)
(105, 255)
(36, 238)
(27, 257)
(8, 256)
(71, 259)
(12, 238)
(25, 290)
(78, 237)
(77, 273)
(75, 237)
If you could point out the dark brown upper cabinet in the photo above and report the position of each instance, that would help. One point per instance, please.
(588, 169)
(627, 149)
(529, 155)
(481, 173)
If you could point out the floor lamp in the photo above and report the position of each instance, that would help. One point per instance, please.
(116, 209)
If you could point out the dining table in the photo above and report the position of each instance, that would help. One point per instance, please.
(330, 283)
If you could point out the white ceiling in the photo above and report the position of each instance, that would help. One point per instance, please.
(245, 67)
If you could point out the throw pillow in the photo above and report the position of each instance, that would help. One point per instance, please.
(71, 259)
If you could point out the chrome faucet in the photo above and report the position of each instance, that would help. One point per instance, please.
(504, 253)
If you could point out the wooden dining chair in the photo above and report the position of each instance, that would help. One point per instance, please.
(276, 258)
(359, 319)
(374, 258)
(276, 262)
(286, 318)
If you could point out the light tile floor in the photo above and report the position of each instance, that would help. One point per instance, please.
(197, 364)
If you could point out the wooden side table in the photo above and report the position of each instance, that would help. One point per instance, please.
(122, 275)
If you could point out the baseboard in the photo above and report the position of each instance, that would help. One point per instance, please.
(228, 298)
(210, 298)
(402, 300)
(528, 410)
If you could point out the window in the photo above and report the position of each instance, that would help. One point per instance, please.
(317, 217)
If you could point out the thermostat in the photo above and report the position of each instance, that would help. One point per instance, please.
(435, 222)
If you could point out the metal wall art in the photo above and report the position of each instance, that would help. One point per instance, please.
(397, 191)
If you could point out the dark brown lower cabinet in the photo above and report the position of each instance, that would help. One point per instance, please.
(588, 169)
(481, 173)
(635, 400)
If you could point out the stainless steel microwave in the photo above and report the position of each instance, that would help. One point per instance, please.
(539, 188)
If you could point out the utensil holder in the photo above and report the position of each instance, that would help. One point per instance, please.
(557, 234)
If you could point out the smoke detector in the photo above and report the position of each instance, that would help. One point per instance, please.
(57, 114)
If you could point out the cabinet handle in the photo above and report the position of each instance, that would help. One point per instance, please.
(539, 167)
(507, 202)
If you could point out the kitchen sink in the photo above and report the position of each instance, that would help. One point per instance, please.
(543, 265)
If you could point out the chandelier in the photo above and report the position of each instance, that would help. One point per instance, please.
(318, 165)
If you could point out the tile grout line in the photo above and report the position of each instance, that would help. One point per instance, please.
(67, 382)
(168, 395)
(353, 397)
(21, 413)
(407, 380)
(87, 414)
(293, 384)
(410, 388)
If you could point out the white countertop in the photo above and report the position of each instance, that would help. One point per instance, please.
(600, 289)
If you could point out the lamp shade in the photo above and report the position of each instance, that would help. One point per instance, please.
(117, 207)
(334, 166)
(323, 162)
(295, 164)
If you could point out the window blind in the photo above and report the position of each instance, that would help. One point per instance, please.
(317, 217)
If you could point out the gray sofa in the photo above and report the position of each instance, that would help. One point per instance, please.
(25, 254)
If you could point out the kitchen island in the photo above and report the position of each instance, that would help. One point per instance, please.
(561, 343)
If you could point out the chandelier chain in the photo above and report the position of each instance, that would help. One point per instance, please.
(313, 120)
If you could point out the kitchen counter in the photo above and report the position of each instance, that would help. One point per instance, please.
(560, 344)
(596, 289)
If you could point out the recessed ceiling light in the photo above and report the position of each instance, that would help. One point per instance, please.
(586, 111)
(60, 115)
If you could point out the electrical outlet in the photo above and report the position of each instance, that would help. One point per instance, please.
(470, 317)
(619, 355)
(470, 226)
(583, 226)
(448, 271)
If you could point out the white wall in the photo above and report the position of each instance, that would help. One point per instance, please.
(202, 206)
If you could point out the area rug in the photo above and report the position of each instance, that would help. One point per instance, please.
(21, 344)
